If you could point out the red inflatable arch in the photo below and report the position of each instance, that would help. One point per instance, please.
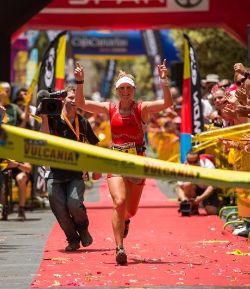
(231, 15)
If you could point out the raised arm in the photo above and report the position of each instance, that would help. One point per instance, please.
(149, 107)
(87, 105)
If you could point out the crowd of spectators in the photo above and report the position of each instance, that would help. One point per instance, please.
(225, 102)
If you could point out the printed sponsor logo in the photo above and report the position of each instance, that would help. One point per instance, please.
(113, 162)
(119, 3)
(151, 169)
(197, 113)
(127, 6)
(39, 150)
(86, 42)
(188, 3)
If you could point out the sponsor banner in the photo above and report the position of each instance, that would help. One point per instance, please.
(52, 70)
(191, 112)
(43, 149)
(118, 44)
(127, 6)
(106, 43)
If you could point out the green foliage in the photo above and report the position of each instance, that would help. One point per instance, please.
(216, 50)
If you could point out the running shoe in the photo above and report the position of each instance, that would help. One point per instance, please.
(121, 256)
(21, 214)
(72, 246)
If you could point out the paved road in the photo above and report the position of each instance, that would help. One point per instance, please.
(21, 247)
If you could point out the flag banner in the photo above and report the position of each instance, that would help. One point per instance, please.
(108, 79)
(191, 113)
(44, 149)
(152, 43)
(52, 70)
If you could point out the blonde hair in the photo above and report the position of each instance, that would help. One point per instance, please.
(123, 73)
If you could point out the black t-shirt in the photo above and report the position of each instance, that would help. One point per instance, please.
(63, 130)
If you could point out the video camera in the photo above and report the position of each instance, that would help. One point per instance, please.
(50, 103)
(188, 208)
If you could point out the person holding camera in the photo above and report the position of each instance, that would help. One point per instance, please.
(66, 188)
(128, 119)
(192, 195)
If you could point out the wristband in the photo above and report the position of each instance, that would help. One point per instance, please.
(79, 81)
(164, 81)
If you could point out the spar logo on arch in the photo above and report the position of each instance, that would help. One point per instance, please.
(128, 6)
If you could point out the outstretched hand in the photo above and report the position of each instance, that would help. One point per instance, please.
(239, 67)
(162, 70)
(78, 72)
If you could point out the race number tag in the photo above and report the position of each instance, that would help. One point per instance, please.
(126, 148)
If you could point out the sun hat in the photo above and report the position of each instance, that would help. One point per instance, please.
(212, 78)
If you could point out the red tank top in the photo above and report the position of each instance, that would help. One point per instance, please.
(127, 128)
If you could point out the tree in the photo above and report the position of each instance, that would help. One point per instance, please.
(216, 50)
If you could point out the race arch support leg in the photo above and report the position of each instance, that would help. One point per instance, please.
(186, 145)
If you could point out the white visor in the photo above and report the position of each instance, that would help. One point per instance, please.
(124, 79)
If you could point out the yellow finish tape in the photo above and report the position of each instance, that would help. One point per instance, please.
(44, 149)
(222, 132)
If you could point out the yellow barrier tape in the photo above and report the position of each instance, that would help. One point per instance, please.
(204, 145)
(174, 158)
(222, 132)
(43, 149)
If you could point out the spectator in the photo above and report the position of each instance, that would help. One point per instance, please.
(27, 109)
(14, 114)
(196, 194)
(21, 173)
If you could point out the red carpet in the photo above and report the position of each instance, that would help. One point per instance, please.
(163, 249)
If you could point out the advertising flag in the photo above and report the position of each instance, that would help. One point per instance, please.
(52, 70)
(191, 114)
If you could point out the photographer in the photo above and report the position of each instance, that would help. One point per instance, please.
(192, 195)
(66, 188)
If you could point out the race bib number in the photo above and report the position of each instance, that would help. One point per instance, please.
(130, 149)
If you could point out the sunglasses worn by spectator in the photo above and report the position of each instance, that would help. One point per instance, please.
(241, 81)
(193, 162)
